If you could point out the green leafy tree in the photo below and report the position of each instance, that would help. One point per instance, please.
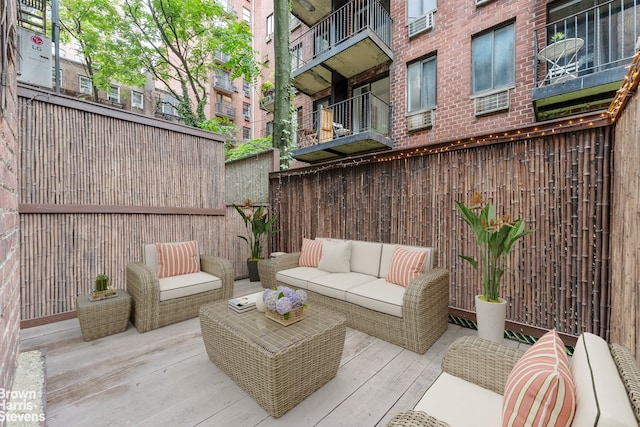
(248, 148)
(97, 27)
(176, 41)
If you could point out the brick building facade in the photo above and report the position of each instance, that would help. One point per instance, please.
(9, 222)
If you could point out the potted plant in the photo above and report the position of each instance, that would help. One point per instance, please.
(267, 90)
(102, 288)
(259, 229)
(495, 236)
(557, 37)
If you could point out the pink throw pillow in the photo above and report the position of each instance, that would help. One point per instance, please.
(405, 265)
(177, 258)
(311, 253)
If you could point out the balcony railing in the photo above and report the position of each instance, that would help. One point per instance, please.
(344, 23)
(225, 109)
(603, 37)
(358, 115)
(222, 83)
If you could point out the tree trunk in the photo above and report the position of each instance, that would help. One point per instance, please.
(282, 126)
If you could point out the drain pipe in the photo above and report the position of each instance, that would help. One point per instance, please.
(55, 34)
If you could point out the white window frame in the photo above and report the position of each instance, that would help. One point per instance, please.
(421, 7)
(269, 26)
(424, 105)
(135, 103)
(246, 15)
(483, 53)
(86, 85)
(113, 94)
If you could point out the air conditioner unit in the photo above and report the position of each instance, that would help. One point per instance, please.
(482, 2)
(421, 24)
(34, 62)
(492, 103)
(247, 116)
(421, 120)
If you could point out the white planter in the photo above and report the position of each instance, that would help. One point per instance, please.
(491, 317)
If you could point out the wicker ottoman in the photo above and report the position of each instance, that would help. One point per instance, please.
(278, 366)
(104, 317)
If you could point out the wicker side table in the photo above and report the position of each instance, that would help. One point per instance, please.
(104, 317)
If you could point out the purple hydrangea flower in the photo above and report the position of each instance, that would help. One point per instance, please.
(283, 305)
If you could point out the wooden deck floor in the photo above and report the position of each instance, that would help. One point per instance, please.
(164, 378)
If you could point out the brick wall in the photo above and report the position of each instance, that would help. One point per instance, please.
(450, 39)
(9, 223)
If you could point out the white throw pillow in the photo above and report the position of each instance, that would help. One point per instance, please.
(336, 257)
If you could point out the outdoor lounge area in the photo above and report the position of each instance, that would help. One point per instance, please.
(164, 378)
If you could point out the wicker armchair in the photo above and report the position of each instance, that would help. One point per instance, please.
(149, 312)
(488, 365)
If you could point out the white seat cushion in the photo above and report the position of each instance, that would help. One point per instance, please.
(187, 284)
(335, 285)
(600, 394)
(378, 295)
(299, 276)
(460, 403)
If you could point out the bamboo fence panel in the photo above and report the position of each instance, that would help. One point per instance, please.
(94, 160)
(558, 183)
(625, 229)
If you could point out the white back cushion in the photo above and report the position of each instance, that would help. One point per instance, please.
(365, 257)
(601, 398)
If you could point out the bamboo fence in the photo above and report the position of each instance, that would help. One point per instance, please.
(625, 225)
(95, 184)
(558, 277)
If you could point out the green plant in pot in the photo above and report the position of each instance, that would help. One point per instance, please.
(102, 288)
(495, 236)
(259, 228)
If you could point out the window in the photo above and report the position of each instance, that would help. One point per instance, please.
(222, 80)
(421, 86)
(53, 76)
(86, 85)
(493, 59)
(269, 27)
(246, 133)
(246, 15)
(269, 128)
(296, 56)
(246, 88)
(246, 110)
(167, 104)
(137, 99)
(113, 94)
(293, 22)
(418, 8)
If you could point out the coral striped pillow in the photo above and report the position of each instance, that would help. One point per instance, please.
(539, 390)
(177, 258)
(311, 253)
(405, 265)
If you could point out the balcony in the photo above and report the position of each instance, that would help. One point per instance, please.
(582, 60)
(310, 11)
(357, 125)
(353, 39)
(267, 102)
(225, 109)
(223, 83)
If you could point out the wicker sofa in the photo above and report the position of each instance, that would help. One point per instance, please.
(158, 302)
(483, 376)
(413, 317)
